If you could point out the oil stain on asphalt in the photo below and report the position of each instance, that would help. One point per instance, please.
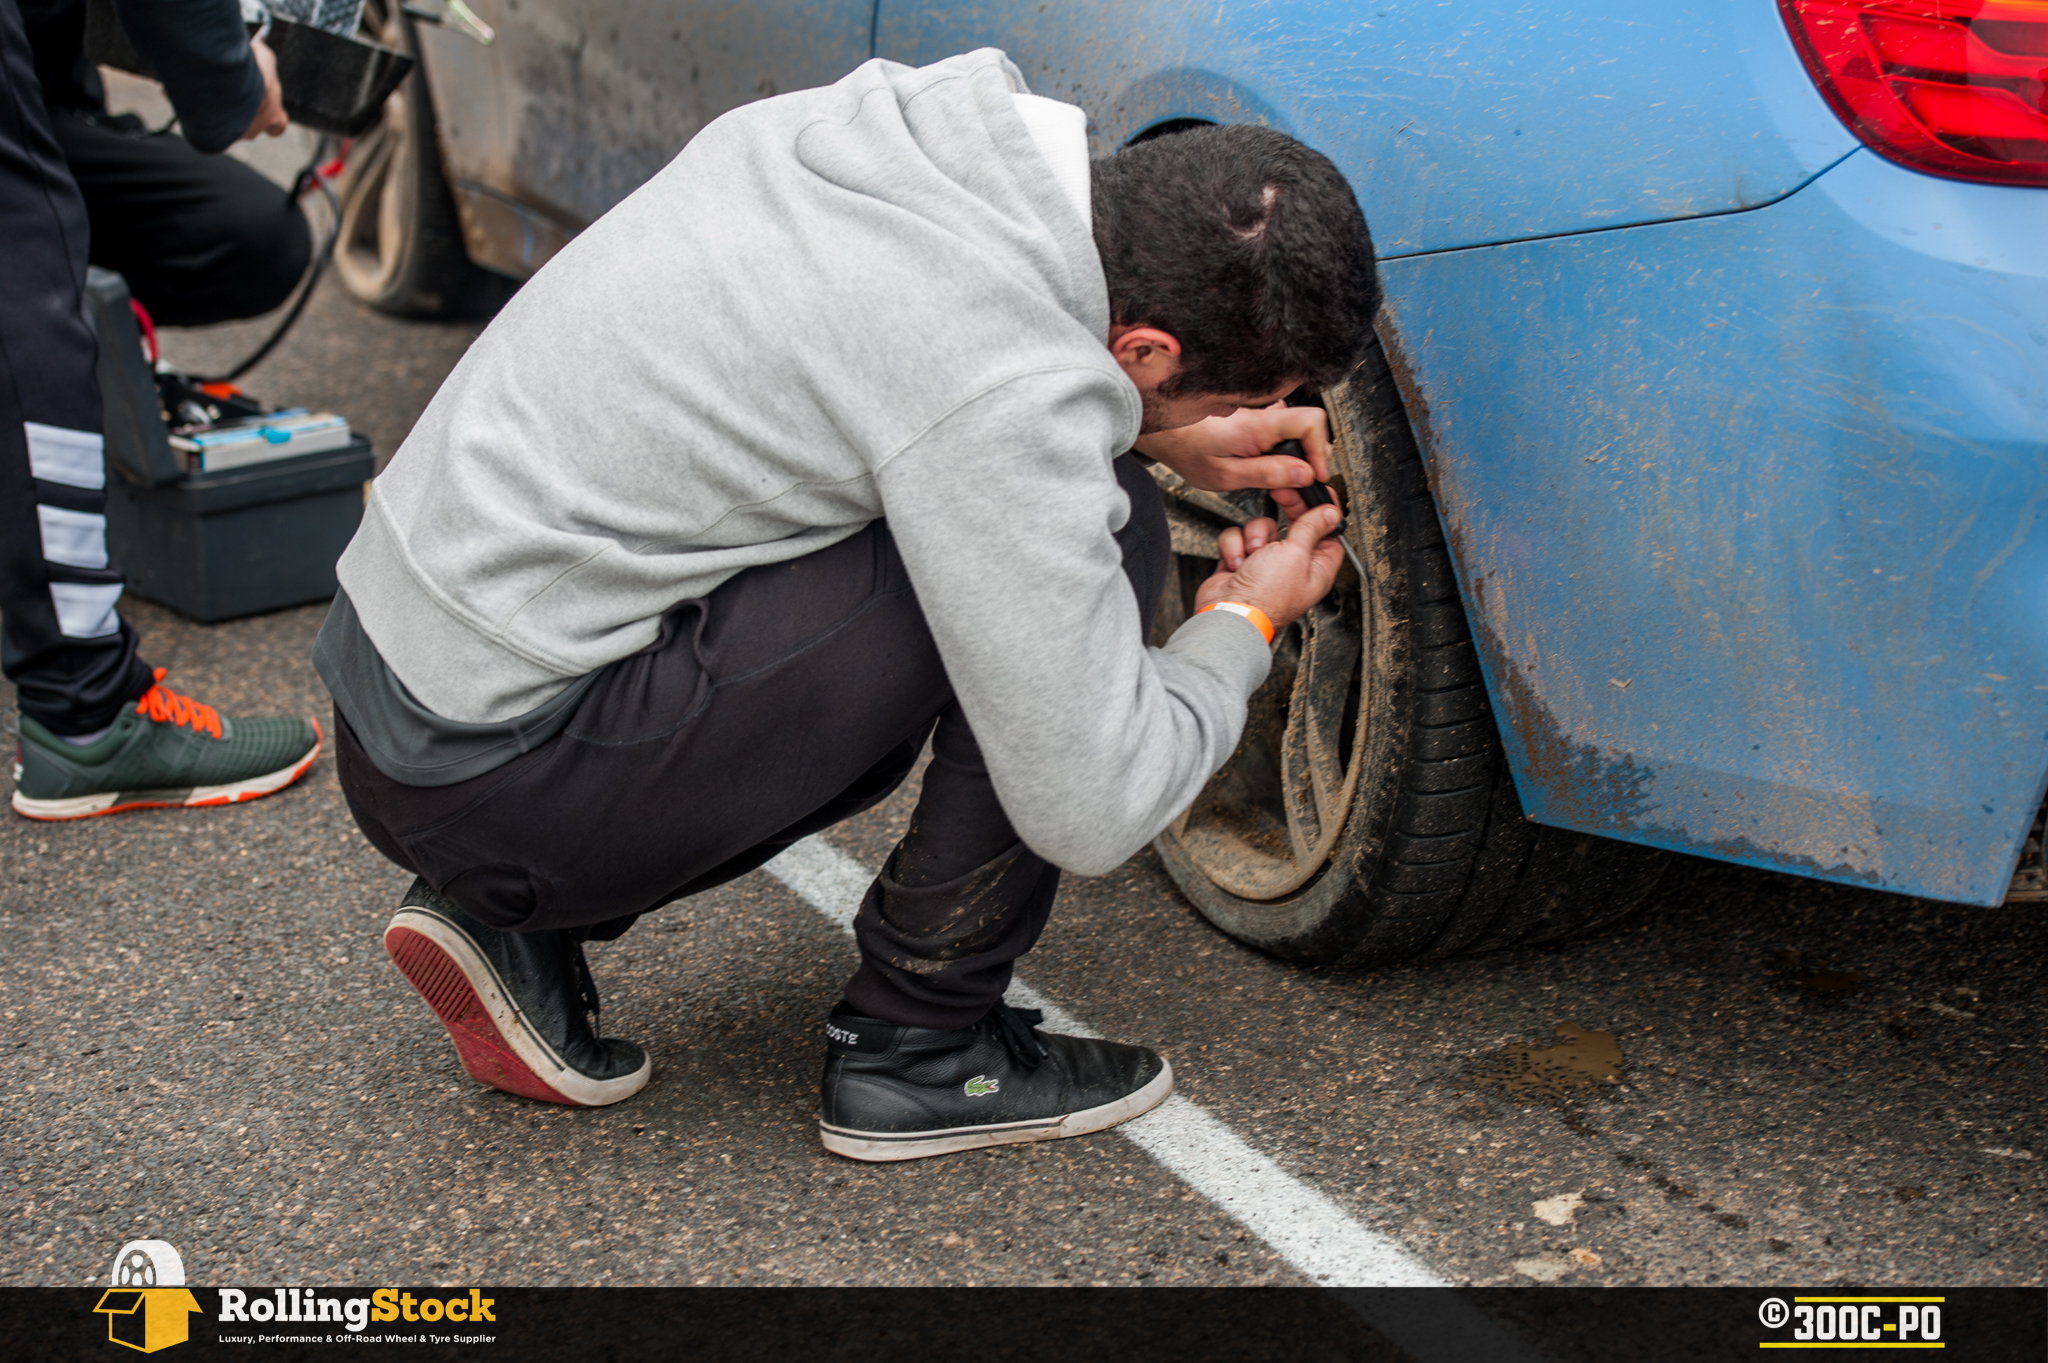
(1582, 1063)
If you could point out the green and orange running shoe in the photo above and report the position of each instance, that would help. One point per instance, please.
(167, 749)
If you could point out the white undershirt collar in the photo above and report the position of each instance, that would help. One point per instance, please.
(1060, 131)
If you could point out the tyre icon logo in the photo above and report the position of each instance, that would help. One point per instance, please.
(148, 1307)
(134, 1268)
(1773, 1313)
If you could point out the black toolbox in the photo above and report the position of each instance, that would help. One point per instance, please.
(212, 545)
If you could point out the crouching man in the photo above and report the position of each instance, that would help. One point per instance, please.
(814, 450)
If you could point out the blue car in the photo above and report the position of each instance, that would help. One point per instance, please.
(1698, 475)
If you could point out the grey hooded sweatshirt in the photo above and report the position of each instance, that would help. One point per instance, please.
(867, 301)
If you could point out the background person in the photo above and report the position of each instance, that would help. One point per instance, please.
(845, 468)
(200, 237)
(99, 731)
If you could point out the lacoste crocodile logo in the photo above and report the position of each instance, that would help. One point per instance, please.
(981, 1086)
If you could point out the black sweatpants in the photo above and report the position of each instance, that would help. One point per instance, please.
(200, 239)
(69, 653)
(794, 696)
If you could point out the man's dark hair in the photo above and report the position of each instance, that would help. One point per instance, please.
(1243, 245)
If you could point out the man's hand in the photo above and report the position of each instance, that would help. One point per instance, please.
(1226, 453)
(1282, 577)
(270, 118)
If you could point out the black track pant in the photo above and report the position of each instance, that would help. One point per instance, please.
(70, 655)
(794, 696)
(200, 239)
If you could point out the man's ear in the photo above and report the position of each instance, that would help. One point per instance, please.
(1149, 356)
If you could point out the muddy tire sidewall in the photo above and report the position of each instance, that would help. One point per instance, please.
(1436, 856)
(1321, 921)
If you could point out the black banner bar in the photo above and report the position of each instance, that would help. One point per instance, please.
(1024, 1325)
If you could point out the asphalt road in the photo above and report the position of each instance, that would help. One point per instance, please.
(205, 1043)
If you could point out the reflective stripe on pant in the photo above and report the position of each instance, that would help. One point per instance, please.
(65, 647)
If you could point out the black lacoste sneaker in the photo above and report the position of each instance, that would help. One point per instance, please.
(520, 1006)
(893, 1092)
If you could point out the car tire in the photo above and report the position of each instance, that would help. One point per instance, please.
(400, 248)
(1368, 815)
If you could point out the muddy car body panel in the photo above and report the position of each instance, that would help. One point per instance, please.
(1746, 511)
(1739, 432)
(574, 104)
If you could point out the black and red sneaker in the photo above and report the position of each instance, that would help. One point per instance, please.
(520, 1006)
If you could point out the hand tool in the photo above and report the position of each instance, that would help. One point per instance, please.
(1318, 494)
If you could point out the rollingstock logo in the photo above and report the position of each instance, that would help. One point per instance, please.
(148, 1307)
(297, 1305)
(1853, 1322)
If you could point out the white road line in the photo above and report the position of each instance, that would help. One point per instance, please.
(825, 878)
(1302, 1225)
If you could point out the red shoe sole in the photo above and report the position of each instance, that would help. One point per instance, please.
(448, 991)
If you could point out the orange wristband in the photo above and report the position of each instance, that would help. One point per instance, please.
(1251, 613)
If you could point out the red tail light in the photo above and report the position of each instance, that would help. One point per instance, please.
(1953, 87)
